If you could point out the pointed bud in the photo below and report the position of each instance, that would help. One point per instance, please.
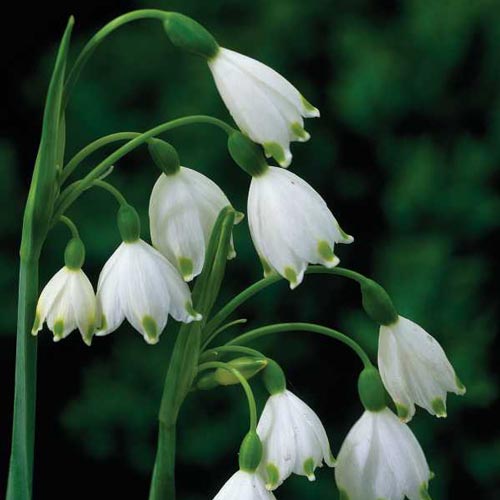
(165, 156)
(247, 366)
(250, 452)
(129, 223)
(74, 254)
(377, 303)
(246, 154)
(371, 390)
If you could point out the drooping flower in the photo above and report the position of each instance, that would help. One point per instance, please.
(139, 284)
(264, 105)
(291, 225)
(182, 211)
(244, 485)
(381, 458)
(67, 302)
(293, 438)
(415, 369)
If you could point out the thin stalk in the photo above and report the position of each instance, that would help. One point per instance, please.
(213, 354)
(112, 190)
(252, 407)
(210, 331)
(70, 225)
(303, 327)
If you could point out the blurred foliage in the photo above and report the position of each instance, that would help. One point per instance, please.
(406, 153)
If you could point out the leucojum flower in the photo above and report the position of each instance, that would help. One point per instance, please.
(68, 300)
(139, 284)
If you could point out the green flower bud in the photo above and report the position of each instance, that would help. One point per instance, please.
(371, 389)
(74, 254)
(250, 452)
(246, 154)
(247, 366)
(207, 382)
(274, 378)
(164, 155)
(129, 223)
(187, 34)
(377, 303)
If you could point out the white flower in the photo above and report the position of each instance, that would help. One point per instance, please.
(415, 369)
(264, 105)
(291, 225)
(244, 486)
(67, 302)
(293, 438)
(182, 211)
(139, 284)
(381, 458)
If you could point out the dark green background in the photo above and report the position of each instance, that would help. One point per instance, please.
(407, 155)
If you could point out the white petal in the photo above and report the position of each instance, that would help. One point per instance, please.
(84, 304)
(244, 486)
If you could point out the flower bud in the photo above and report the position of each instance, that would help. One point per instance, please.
(187, 34)
(74, 254)
(129, 223)
(247, 366)
(250, 452)
(165, 156)
(246, 154)
(274, 378)
(377, 303)
(371, 390)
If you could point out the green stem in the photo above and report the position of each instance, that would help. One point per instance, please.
(213, 354)
(73, 191)
(23, 432)
(111, 189)
(210, 331)
(71, 226)
(252, 407)
(92, 148)
(303, 327)
(96, 40)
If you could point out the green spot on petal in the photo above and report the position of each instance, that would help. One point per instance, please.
(104, 323)
(325, 251)
(291, 276)
(266, 267)
(424, 494)
(309, 469)
(36, 324)
(151, 329)
(186, 268)
(403, 411)
(273, 476)
(298, 131)
(276, 151)
(58, 329)
(343, 495)
(458, 382)
(309, 107)
(347, 237)
(439, 407)
(192, 312)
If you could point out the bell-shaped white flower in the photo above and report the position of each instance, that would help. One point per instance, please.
(139, 284)
(182, 211)
(381, 458)
(67, 302)
(291, 225)
(244, 485)
(415, 369)
(294, 440)
(264, 105)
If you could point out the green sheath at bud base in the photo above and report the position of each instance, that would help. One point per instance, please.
(377, 303)
(165, 156)
(371, 389)
(274, 378)
(246, 154)
(250, 452)
(74, 254)
(187, 34)
(129, 224)
(247, 366)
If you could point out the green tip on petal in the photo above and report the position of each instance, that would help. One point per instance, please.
(308, 107)
(325, 252)
(273, 476)
(439, 407)
(36, 324)
(151, 329)
(104, 323)
(424, 494)
(346, 237)
(299, 132)
(192, 312)
(461, 387)
(291, 276)
(343, 495)
(403, 412)
(276, 151)
(309, 469)
(431, 475)
(58, 330)
(266, 267)
(238, 217)
(186, 268)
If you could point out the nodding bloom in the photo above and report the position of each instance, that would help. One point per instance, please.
(293, 438)
(381, 458)
(415, 369)
(66, 303)
(139, 284)
(182, 211)
(244, 485)
(264, 105)
(291, 225)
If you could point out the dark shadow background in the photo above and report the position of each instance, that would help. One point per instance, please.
(407, 155)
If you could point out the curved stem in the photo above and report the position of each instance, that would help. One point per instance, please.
(252, 407)
(111, 189)
(304, 327)
(213, 353)
(96, 40)
(91, 148)
(212, 326)
(71, 225)
(71, 193)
